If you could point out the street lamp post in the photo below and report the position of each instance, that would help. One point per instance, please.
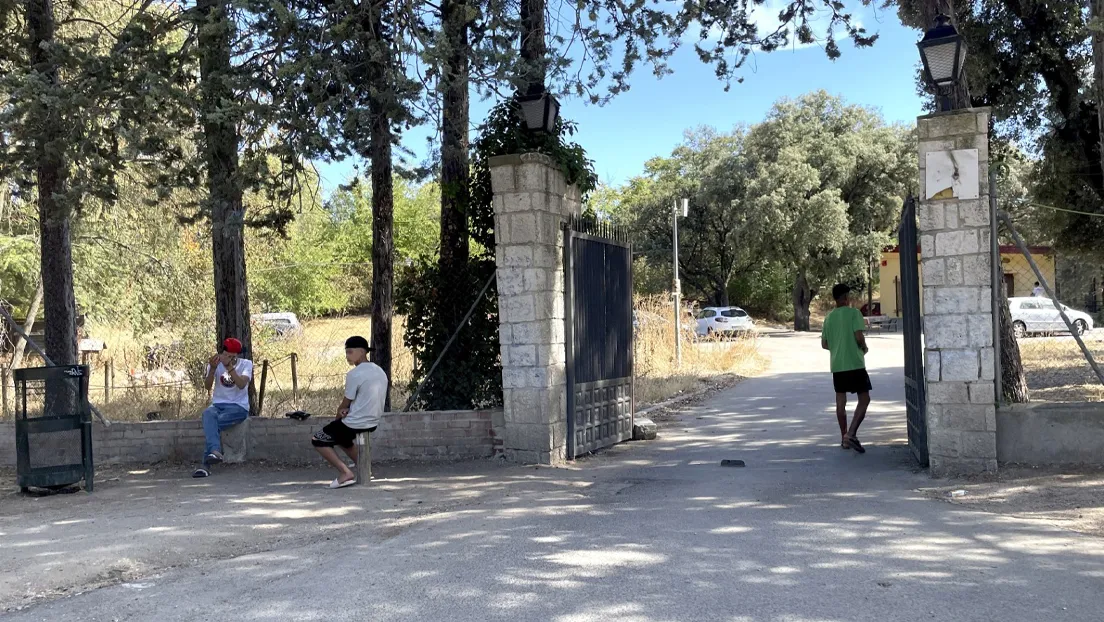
(685, 204)
(944, 54)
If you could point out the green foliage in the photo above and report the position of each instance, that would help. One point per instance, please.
(1032, 63)
(812, 192)
(470, 375)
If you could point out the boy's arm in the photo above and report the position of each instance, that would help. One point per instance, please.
(824, 343)
(860, 338)
(209, 377)
(343, 407)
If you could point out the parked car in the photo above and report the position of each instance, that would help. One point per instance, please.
(284, 324)
(1033, 315)
(723, 321)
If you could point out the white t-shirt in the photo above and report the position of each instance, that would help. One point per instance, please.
(225, 391)
(1038, 291)
(366, 388)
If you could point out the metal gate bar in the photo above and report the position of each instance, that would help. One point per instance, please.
(912, 327)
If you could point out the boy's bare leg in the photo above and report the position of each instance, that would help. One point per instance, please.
(841, 414)
(344, 474)
(351, 451)
(860, 414)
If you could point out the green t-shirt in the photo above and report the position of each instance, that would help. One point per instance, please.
(839, 332)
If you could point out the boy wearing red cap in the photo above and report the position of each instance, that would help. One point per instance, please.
(227, 379)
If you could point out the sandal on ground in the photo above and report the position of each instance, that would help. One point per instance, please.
(856, 445)
(337, 483)
(201, 473)
(845, 445)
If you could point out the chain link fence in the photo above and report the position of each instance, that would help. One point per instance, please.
(1054, 307)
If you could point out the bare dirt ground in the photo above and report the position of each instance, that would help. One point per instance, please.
(142, 521)
(1071, 499)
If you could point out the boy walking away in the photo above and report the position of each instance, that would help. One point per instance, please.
(359, 412)
(843, 337)
(229, 375)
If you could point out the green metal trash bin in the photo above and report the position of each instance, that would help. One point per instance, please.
(53, 427)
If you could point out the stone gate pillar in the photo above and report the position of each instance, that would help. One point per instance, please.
(531, 202)
(957, 291)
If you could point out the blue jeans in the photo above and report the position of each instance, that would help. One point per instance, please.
(217, 418)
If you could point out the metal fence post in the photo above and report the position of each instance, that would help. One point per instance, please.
(4, 375)
(294, 376)
(261, 393)
(996, 285)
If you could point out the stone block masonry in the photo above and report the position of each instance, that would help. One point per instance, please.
(958, 323)
(532, 200)
(422, 435)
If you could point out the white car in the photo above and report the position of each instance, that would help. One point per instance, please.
(284, 324)
(1037, 315)
(723, 321)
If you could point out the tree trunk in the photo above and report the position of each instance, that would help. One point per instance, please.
(930, 9)
(383, 207)
(534, 52)
(225, 195)
(1013, 381)
(52, 175)
(802, 298)
(28, 326)
(1097, 8)
(720, 296)
(455, 191)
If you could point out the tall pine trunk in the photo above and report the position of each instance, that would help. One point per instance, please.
(383, 207)
(220, 153)
(52, 175)
(1013, 381)
(534, 51)
(455, 172)
(802, 298)
(1097, 13)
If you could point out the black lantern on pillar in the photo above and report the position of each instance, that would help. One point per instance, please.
(540, 112)
(944, 54)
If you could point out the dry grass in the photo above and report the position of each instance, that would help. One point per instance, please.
(320, 365)
(704, 361)
(1057, 371)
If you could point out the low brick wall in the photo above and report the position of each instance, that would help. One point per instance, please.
(423, 435)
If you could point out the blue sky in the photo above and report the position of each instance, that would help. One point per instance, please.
(651, 118)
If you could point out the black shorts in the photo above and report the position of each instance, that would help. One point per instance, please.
(337, 433)
(854, 381)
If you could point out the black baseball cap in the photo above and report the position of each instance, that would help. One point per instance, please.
(357, 342)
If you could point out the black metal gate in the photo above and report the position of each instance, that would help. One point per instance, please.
(915, 387)
(598, 331)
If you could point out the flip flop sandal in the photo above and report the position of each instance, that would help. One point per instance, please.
(212, 458)
(857, 446)
(201, 473)
(339, 484)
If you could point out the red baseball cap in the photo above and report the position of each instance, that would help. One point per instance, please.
(233, 346)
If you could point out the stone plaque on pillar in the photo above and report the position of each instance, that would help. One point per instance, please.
(531, 202)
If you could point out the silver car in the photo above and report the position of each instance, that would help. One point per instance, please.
(1036, 315)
